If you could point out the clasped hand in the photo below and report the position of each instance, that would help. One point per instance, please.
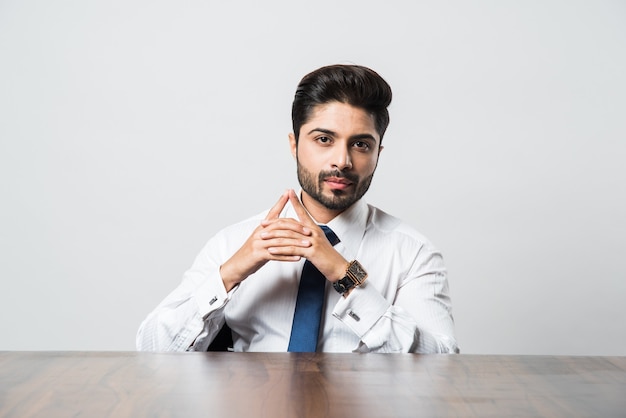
(284, 239)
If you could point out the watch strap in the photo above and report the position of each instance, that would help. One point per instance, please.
(355, 275)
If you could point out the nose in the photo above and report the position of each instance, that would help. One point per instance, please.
(341, 159)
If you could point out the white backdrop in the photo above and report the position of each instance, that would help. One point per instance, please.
(131, 131)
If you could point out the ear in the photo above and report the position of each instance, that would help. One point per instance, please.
(292, 144)
(380, 149)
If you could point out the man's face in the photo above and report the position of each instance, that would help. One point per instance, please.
(337, 154)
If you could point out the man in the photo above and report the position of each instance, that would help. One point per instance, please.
(383, 285)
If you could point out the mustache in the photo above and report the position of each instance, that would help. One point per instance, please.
(339, 174)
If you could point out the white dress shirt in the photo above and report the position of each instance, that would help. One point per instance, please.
(403, 305)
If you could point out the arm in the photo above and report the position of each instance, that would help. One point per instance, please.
(411, 314)
(417, 320)
(191, 316)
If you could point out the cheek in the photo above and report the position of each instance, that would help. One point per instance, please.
(367, 165)
(305, 163)
(311, 161)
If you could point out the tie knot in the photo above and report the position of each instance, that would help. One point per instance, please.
(332, 237)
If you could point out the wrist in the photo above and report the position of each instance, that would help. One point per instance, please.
(339, 270)
(354, 276)
(229, 277)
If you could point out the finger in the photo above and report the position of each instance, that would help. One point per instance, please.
(285, 257)
(278, 207)
(287, 243)
(284, 228)
(303, 215)
(288, 250)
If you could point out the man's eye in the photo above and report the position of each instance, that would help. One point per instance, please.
(323, 139)
(362, 145)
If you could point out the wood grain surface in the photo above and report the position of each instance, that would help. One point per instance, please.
(223, 384)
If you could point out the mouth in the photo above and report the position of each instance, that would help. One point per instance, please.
(338, 183)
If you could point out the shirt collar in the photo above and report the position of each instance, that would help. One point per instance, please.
(349, 226)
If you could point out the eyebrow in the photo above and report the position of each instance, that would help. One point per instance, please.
(333, 133)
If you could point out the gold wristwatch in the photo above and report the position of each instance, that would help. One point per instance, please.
(355, 276)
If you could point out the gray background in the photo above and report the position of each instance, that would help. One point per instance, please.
(132, 131)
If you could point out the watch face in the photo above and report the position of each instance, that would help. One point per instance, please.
(358, 272)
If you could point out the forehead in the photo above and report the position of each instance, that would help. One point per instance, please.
(341, 118)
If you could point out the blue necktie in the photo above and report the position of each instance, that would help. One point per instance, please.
(306, 319)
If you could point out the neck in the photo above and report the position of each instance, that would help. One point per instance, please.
(319, 212)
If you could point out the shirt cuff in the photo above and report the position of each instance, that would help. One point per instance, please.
(211, 296)
(363, 307)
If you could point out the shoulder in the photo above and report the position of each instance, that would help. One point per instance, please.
(225, 242)
(395, 230)
(394, 239)
(245, 226)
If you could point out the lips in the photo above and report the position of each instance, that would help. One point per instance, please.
(337, 182)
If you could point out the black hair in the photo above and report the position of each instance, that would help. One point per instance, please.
(351, 84)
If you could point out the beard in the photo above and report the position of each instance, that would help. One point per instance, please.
(340, 199)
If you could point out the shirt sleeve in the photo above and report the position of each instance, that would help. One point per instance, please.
(417, 319)
(190, 317)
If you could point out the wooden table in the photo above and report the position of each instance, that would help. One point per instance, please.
(222, 384)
